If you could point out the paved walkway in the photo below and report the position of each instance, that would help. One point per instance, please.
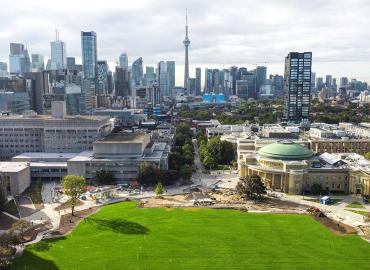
(337, 211)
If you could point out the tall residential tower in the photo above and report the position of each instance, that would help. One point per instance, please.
(297, 87)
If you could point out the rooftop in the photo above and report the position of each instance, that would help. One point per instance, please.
(42, 155)
(10, 167)
(137, 137)
(285, 150)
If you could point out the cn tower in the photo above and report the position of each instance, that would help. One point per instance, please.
(186, 43)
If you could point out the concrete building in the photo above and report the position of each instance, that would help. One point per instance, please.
(15, 177)
(121, 154)
(42, 133)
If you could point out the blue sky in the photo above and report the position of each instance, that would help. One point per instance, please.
(222, 33)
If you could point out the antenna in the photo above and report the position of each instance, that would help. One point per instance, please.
(186, 16)
(56, 34)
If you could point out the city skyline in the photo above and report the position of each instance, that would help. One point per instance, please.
(221, 37)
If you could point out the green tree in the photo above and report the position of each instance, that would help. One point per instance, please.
(251, 187)
(367, 155)
(104, 177)
(316, 189)
(159, 189)
(146, 173)
(74, 186)
(185, 173)
(214, 148)
(227, 152)
(175, 160)
(209, 162)
(7, 240)
(21, 225)
(3, 197)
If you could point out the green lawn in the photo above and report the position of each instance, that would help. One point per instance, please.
(121, 236)
(364, 213)
(355, 205)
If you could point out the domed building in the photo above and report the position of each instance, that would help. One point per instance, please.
(292, 168)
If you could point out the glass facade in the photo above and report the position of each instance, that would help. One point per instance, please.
(297, 87)
(89, 54)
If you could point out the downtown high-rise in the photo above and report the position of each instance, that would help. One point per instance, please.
(89, 54)
(297, 87)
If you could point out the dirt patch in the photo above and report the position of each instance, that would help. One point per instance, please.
(67, 205)
(165, 201)
(69, 222)
(336, 227)
(6, 222)
(31, 234)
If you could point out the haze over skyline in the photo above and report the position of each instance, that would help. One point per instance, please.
(222, 33)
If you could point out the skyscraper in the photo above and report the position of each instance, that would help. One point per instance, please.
(149, 75)
(19, 60)
(163, 79)
(137, 71)
(297, 87)
(171, 75)
(58, 54)
(123, 60)
(198, 81)
(89, 54)
(122, 82)
(3, 69)
(208, 85)
(102, 77)
(260, 78)
(37, 62)
(328, 80)
(186, 43)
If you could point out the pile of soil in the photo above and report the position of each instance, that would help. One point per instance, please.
(334, 226)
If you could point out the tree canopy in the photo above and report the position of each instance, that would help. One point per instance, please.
(251, 187)
(74, 186)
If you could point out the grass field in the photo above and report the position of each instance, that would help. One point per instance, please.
(121, 236)
(355, 205)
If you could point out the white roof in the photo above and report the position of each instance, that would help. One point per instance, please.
(48, 164)
(41, 155)
(10, 167)
(83, 156)
(329, 158)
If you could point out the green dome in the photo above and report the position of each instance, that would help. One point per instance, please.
(285, 150)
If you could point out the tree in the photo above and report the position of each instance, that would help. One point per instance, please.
(227, 152)
(3, 197)
(185, 173)
(367, 155)
(251, 187)
(74, 186)
(104, 177)
(21, 225)
(214, 148)
(146, 173)
(159, 189)
(175, 160)
(7, 240)
(316, 189)
(209, 162)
